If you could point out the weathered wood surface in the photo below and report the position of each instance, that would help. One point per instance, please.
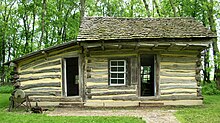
(112, 93)
(43, 93)
(47, 64)
(41, 71)
(110, 87)
(50, 84)
(40, 77)
(54, 99)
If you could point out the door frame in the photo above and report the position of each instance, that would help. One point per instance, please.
(64, 79)
(156, 74)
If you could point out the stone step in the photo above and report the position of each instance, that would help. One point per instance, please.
(152, 104)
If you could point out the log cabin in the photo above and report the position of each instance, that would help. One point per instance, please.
(120, 62)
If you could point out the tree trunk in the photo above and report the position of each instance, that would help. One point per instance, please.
(157, 8)
(42, 23)
(214, 44)
(147, 8)
(173, 7)
(82, 9)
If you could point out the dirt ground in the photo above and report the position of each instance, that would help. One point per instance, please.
(150, 115)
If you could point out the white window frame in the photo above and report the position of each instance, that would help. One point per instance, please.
(110, 72)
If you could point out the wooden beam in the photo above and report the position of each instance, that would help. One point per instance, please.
(51, 84)
(171, 45)
(55, 99)
(112, 93)
(155, 45)
(40, 77)
(187, 45)
(41, 71)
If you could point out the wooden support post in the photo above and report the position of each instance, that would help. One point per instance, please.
(137, 46)
(102, 46)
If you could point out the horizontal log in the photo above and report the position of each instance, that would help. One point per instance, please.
(178, 67)
(178, 59)
(46, 88)
(179, 92)
(167, 87)
(41, 71)
(173, 97)
(51, 84)
(177, 80)
(111, 93)
(122, 98)
(102, 65)
(43, 93)
(177, 71)
(40, 77)
(177, 74)
(97, 80)
(111, 87)
(47, 64)
(55, 99)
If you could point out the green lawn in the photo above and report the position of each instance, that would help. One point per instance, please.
(208, 113)
(13, 117)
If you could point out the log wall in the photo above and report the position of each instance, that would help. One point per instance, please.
(97, 86)
(41, 76)
(177, 75)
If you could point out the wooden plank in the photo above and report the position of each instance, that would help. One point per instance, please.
(41, 71)
(178, 86)
(179, 92)
(111, 87)
(112, 93)
(52, 63)
(98, 65)
(177, 71)
(55, 99)
(178, 59)
(133, 70)
(51, 84)
(44, 89)
(101, 80)
(43, 93)
(178, 67)
(177, 80)
(40, 77)
(123, 98)
(177, 74)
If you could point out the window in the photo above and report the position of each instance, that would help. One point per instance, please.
(117, 72)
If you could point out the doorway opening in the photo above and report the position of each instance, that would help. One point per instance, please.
(147, 75)
(71, 77)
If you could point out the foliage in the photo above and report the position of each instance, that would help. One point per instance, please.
(209, 113)
(6, 89)
(4, 100)
(210, 89)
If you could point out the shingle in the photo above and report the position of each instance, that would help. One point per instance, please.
(108, 28)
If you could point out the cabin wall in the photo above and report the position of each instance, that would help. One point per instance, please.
(97, 85)
(177, 75)
(41, 76)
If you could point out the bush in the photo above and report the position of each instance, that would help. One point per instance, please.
(210, 89)
(6, 89)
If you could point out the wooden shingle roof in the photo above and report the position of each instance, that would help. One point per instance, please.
(111, 28)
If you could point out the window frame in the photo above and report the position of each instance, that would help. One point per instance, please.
(117, 72)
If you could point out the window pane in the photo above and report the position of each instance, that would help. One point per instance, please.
(120, 81)
(121, 69)
(113, 81)
(113, 63)
(114, 69)
(120, 63)
(121, 75)
(113, 75)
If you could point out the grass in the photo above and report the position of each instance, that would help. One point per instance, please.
(23, 117)
(6, 89)
(208, 113)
